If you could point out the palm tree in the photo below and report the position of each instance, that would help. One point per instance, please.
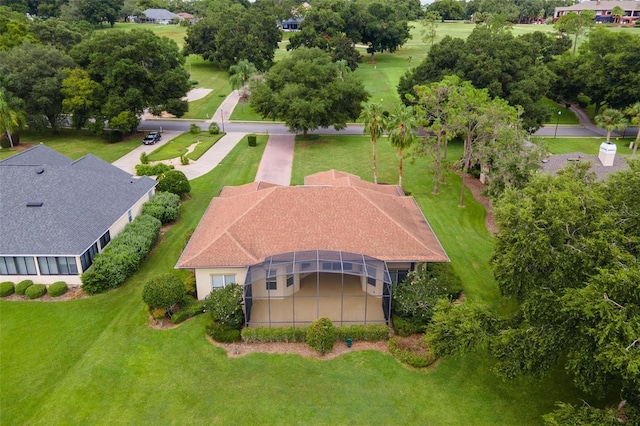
(617, 13)
(373, 125)
(343, 68)
(401, 127)
(240, 73)
(611, 119)
(10, 118)
(634, 112)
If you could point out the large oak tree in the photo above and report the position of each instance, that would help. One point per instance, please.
(306, 91)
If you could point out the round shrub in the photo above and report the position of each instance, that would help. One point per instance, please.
(163, 291)
(220, 333)
(36, 291)
(22, 286)
(173, 181)
(158, 313)
(6, 289)
(225, 306)
(214, 129)
(321, 335)
(57, 289)
(194, 129)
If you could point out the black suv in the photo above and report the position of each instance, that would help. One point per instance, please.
(151, 138)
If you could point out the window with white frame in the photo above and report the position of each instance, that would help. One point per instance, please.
(219, 281)
(272, 280)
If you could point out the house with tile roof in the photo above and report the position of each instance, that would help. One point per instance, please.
(603, 10)
(333, 247)
(58, 213)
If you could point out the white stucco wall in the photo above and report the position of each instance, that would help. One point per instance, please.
(203, 278)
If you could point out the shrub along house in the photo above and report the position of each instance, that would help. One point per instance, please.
(332, 248)
(58, 213)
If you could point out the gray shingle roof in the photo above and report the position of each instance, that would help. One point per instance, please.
(80, 200)
(159, 14)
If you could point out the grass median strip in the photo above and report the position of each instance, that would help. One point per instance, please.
(179, 146)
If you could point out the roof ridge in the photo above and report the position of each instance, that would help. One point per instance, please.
(357, 189)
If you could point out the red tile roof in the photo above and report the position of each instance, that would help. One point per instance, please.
(333, 211)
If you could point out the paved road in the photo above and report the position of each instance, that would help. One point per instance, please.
(354, 129)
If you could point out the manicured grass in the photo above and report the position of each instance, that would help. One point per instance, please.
(244, 112)
(76, 144)
(566, 116)
(178, 146)
(173, 32)
(585, 145)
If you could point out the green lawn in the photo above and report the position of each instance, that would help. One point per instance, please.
(96, 361)
(173, 32)
(566, 116)
(585, 145)
(77, 143)
(178, 146)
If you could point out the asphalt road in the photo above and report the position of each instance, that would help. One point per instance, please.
(279, 128)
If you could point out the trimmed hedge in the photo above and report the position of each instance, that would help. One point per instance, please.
(214, 129)
(22, 287)
(57, 289)
(164, 206)
(152, 170)
(321, 335)
(7, 288)
(187, 312)
(122, 256)
(368, 333)
(276, 334)
(222, 334)
(36, 291)
(251, 140)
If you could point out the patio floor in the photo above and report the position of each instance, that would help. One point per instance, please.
(351, 307)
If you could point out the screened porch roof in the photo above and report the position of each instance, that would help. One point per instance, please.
(309, 261)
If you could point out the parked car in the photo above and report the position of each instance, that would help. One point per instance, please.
(152, 138)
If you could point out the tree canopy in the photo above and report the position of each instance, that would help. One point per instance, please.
(135, 70)
(509, 67)
(306, 92)
(567, 250)
(235, 34)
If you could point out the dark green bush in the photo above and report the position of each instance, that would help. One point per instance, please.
(187, 311)
(144, 158)
(4, 140)
(214, 129)
(275, 334)
(152, 170)
(173, 181)
(321, 335)
(225, 306)
(114, 136)
(405, 328)
(194, 129)
(122, 256)
(417, 355)
(36, 291)
(366, 333)
(57, 289)
(164, 206)
(7, 288)
(252, 140)
(220, 333)
(22, 286)
(163, 291)
(415, 298)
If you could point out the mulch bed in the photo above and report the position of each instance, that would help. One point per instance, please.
(72, 294)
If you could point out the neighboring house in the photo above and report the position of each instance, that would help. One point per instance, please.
(291, 24)
(57, 213)
(158, 16)
(603, 10)
(333, 247)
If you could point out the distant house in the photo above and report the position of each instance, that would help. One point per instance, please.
(603, 10)
(333, 247)
(57, 213)
(292, 24)
(158, 16)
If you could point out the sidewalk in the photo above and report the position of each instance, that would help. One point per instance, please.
(225, 109)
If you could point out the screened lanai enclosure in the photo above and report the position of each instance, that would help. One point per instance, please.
(299, 287)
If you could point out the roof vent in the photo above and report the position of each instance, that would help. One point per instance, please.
(34, 203)
(40, 170)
